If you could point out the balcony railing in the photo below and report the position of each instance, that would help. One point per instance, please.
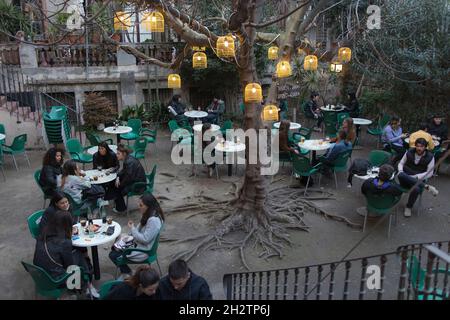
(9, 54)
(75, 56)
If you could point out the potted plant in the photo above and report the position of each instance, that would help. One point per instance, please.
(97, 111)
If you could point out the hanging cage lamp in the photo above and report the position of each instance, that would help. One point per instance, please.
(253, 93)
(174, 81)
(225, 47)
(199, 60)
(310, 62)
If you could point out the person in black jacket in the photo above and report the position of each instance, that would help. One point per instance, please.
(142, 285)
(352, 105)
(59, 202)
(382, 184)
(179, 109)
(438, 128)
(54, 252)
(105, 158)
(51, 168)
(312, 109)
(182, 284)
(132, 172)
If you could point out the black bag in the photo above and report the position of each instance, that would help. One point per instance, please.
(359, 167)
(94, 192)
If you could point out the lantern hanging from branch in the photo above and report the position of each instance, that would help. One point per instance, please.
(270, 113)
(174, 81)
(310, 63)
(199, 60)
(196, 48)
(284, 69)
(225, 47)
(336, 67)
(272, 54)
(253, 93)
(344, 54)
(154, 21)
(122, 20)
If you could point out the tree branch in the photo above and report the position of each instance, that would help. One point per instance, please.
(279, 18)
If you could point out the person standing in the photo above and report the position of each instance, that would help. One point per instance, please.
(312, 110)
(352, 105)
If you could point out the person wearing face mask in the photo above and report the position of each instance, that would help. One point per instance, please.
(142, 285)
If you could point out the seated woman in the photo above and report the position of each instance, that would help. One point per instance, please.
(349, 128)
(51, 168)
(132, 172)
(340, 147)
(54, 252)
(141, 286)
(105, 158)
(59, 202)
(285, 145)
(392, 138)
(145, 234)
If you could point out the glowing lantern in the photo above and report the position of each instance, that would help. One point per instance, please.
(273, 53)
(174, 81)
(199, 60)
(336, 67)
(122, 20)
(301, 52)
(310, 63)
(344, 54)
(270, 113)
(284, 69)
(195, 48)
(253, 93)
(225, 47)
(154, 22)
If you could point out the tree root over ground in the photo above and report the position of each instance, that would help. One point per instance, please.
(268, 230)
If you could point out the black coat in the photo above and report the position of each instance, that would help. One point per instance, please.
(196, 288)
(60, 250)
(123, 291)
(353, 108)
(440, 131)
(131, 172)
(47, 216)
(106, 162)
(47, 179)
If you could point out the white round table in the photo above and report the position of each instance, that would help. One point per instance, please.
(196, 114)
(198, 127)
(102, 176)
(436, 142)
(83, 240)
(314, 146)
(361, 121)
(293, 126)
(230, 147)
(332, 108)
(118, 131)
(94, 149)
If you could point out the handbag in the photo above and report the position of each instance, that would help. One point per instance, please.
(125, 242)
(94, 192)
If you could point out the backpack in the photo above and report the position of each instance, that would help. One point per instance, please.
(359, 167)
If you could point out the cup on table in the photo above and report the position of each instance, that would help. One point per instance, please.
(302, 140)
(109, 220)
(327, 139)
(83, 222)
(95, 178)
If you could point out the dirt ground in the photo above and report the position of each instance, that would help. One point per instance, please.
(327, 240)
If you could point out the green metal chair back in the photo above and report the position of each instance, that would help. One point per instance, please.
(340, 164)
(242, 107)
(57, 112)
(381, 204)
(135, 124)
(173, 125)
(33, 225)
(228, 124)
(94, 140)
(384, 121)
(150, 180)
(379, 157)
(152, 253)
(330, 117)
(341, 116)
(139, 147)
(330, 129)
(306, 132)
(2, 128)
(37, 176)
(106, 287)
(301, 165)
(45, 285)
(74, 146)
(19, 142)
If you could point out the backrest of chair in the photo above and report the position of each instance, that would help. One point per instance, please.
(173, 125)
(74, 145)
(341, 116)
(384, 120)
(41, 278)
(306, 132)
(140, 144)
(2, 128)
(330, 117)
(106, 287)
(1, 153)
(300, 164)
(330, 128)
(135, 124)
(93, 139)
(342, 159)
(228, 124)
(151, 178)
(33, 225)
(381, 201)
(19, 142)
(379, 157)
(154, 249)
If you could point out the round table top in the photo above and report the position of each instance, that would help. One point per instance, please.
(196, 114)
(362, 121)
(293, 125)
(99, 238)
(332, 108)
(229, 146)
(198, 127)
(118, 130)
(2, 136)
(102, 177)
(372, 173)
(436, 142)
(314, 145)
(94, 149)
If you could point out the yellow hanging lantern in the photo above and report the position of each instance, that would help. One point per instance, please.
(199, 60)
(301, 52)
(284, 69)
(270, 113)
(272, 54)
(253, 93)
(344, 54)
(122, 20)
(174, 81)
(336, 67)
(310, 63)
(225, 47)
(196, 48)
(154, 22)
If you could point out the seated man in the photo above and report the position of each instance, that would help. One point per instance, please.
(214, 109)
(422, 133)
(177, 109)
(438, 128)
(417, 164)
(382, 184)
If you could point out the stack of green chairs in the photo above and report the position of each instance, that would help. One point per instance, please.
(139, 148)
(56, 123)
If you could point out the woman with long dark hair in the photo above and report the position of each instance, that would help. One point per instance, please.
(105, 158)
(141, 286)
(59, 202)
(51, 169)
(284, 143)
(144, 235)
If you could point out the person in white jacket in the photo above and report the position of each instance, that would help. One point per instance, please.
(144, 234)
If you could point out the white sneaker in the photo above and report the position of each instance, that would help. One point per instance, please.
(407, 212)
(433, 190)
(92, 292)
(349, 185)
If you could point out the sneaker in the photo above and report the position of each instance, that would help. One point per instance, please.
(407, 212)
(92, 292)
(123, 276)
(117, 211)
(349, 185)
(433, 190)
(210, 172)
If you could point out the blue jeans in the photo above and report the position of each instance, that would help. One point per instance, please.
(408, 182)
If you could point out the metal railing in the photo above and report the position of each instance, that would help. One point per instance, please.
(413, 271)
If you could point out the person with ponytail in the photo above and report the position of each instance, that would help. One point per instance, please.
(142, 285)
(144, 234)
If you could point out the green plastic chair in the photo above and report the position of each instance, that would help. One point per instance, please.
(37, 175)
(377, 129)
(340, 164)
(152, 255)
(418, 276)
(33, 224)
(78, 209)
(330, 129)
(16, 148)
(227, 125)
(301, 166)
(381, 205)
(106, 288)
(2, 128)
(330, 116)
(341, 116)
(379, 157)
(302, 132)
(94, 139)
(139, 188)
(139, 147)
(148, 134)
(180, 133)
(136, 125)
(1, 163)
(77, 151)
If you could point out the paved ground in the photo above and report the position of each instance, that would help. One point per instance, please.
(328, 240)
